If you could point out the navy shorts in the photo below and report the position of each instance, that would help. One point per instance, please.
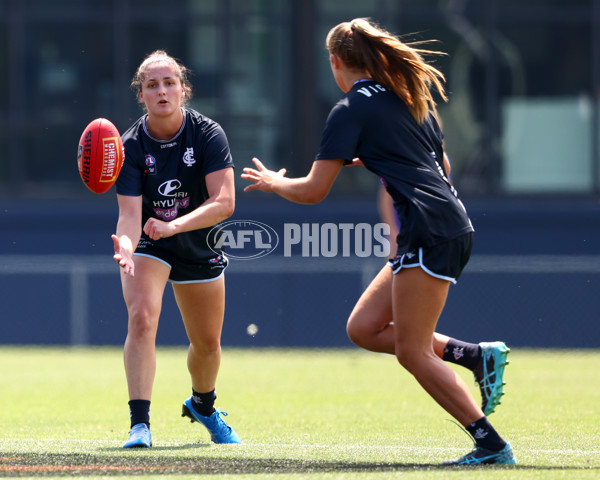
(445, 260)
(183, 270)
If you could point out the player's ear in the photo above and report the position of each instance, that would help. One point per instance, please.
(335, 61)
(140, 96)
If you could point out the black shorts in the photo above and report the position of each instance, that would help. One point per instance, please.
(445, 260)
(195, 270)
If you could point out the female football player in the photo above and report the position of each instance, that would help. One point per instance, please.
(486, 360)
(387, 119)
(176, 182)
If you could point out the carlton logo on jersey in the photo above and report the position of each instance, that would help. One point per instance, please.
(188, 157)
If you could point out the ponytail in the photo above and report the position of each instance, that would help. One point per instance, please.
(390, 62)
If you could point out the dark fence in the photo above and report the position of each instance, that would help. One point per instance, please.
(533, 280)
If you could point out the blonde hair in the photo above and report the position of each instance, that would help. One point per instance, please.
(390, 62)
(161, 56)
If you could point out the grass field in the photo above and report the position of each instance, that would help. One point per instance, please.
(302, 414)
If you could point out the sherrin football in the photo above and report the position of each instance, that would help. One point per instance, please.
(100, 155)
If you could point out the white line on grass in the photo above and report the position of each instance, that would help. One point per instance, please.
(6, 442)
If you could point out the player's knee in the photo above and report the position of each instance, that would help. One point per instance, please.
(355, 333)
(408, 357)
(142, 322)
(206, 346)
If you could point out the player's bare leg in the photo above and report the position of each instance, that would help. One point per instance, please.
(370, 326)
(418, 302)
(143, 296)
(370, 323)
(202, 307)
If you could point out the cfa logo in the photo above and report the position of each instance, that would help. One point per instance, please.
(169, 188)
(243, 239)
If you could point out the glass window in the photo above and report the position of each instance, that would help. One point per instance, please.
(261, 7)
(62, 9)
(56, 4)
(206, 51)
(65, 76)
(257, 90)
(551, 59)
(519, 75)
(4, 67)
(7, 79)
(142, 6)
(546, 117)
(145, 37)
(516, 89)
(344, 10)
(541, 4)
(5, 178)
(203, 6)
(69, 84)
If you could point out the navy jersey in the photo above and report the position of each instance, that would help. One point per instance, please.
(170, 175)
(375, 125)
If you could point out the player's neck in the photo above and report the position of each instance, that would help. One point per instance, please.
(351, 77)
(164, 127)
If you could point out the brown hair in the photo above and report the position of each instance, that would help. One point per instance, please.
(161, 56)
(392, 63)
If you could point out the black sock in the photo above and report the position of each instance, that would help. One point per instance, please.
(139, 412)
(204, 403)
(465, 354)
(485, 436)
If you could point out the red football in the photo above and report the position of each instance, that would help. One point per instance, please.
(100, 155)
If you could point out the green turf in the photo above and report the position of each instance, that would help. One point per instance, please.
(302, 414)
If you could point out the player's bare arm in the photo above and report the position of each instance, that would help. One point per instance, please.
(310, 189)
(218, 207)
(128, 231)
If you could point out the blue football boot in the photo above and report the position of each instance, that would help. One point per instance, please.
(219, 431)
(483, 456)
(489, 374)
(139, 437)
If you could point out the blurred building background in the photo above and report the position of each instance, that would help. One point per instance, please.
(523, 77)
(521, 129)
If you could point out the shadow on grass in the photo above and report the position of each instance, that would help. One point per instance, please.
(21, 465)
(157, 448)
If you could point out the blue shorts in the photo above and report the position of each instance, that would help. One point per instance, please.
(445, 260)
(196, 270)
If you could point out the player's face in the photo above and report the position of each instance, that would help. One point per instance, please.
(162, 90)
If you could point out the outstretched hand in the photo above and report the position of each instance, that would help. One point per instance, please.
(123, 256)
(263, 178)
